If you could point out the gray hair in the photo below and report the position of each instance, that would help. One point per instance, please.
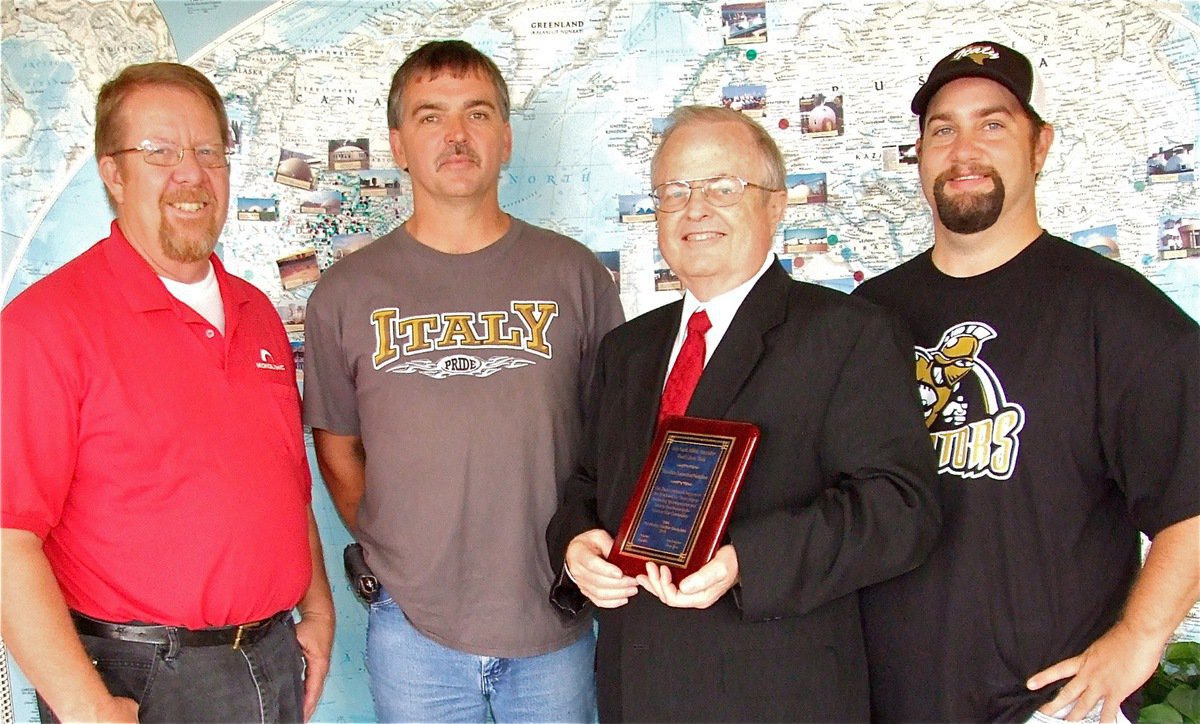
(768, 150)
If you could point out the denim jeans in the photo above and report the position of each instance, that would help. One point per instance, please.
(414, 678)
(261, 682)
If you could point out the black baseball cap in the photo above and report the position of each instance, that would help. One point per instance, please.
(983, 59)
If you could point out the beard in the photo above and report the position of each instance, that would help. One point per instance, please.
(192, 241)
(969, 213)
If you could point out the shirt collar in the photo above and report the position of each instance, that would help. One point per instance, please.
(724, 306)
(140, 285)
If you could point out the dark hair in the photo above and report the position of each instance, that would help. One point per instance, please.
(134, 77)
(456, 57)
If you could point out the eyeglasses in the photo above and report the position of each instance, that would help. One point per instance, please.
(719, 190)
(162, 153)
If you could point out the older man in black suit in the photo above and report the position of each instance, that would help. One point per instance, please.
(839, 495)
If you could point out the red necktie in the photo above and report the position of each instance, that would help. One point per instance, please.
(681, 383)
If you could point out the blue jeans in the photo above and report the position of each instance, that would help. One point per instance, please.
(414, 678)
(261, 682)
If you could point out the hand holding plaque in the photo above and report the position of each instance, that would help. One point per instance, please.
(681, 505)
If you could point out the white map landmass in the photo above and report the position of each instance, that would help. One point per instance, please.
(56, 55)
(587, 77)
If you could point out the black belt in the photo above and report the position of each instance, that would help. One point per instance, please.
(235, 636)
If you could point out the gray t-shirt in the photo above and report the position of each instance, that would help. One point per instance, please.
(464, 376)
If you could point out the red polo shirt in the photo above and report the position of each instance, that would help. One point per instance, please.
(162, 463)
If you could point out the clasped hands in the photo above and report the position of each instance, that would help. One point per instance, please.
(608, 587)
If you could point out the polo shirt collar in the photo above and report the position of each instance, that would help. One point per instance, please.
(143, 289)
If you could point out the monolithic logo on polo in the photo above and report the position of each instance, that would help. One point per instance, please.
(975, 429)
(460, 337)
(267, 362)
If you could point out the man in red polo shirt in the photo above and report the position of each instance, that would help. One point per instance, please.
(156, 511)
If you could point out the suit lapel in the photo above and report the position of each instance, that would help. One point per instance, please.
(647, 371)
(763, 309)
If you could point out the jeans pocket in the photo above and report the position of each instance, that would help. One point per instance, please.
(382, 601)
(127, 668)
(1093, 716)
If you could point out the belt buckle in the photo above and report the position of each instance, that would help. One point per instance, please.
(241, 630)
(237, 636)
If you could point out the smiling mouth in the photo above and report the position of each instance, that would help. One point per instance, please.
(967, 175)
(188, 206)
(702, 236)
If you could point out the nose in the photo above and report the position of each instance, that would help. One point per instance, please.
(698, 205)
(188, 168)
(455, 130)
(964, 147)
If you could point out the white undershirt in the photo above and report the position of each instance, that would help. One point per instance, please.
(203, 296)
(721, 310)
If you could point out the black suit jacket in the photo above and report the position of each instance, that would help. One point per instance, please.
(839, 496)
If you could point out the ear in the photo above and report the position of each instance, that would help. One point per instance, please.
(110, 174)
(397, 149)
(507, 142)
(776, 207)
(1041, 147)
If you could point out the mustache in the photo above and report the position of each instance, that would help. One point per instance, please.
(455, 150)
(188, 196)
(964, 170)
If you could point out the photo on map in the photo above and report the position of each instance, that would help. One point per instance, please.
(343, 245)
(749, 99)
(798, 240)
(1172, 164)
(297, 345)
(350, 154)
(821, 115)
(379, 182)
(1178, 237)
(321, 201)
(298, 269)
(896, 158)
(664, 279)
(296, 169)
(634, 208)
(291, 313)
(807, 188)
(612, 262)
(743, 23)
(257, 209)
(1100, 239)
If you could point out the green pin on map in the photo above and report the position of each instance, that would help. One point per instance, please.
(1139, 186)
(832, 239)
(751, 54)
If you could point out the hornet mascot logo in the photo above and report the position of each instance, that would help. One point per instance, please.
(975, 430)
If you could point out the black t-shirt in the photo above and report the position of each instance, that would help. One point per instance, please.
(1061, 396)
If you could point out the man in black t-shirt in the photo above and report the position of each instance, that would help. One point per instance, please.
(1060, 395)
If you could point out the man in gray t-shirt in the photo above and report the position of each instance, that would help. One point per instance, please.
(443, 382)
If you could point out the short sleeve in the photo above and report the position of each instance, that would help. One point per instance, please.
(330, 401)
(40, 399)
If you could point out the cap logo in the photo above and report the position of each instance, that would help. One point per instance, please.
(977, 53)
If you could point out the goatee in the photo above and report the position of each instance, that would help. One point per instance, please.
(191, 242)
(968, 213)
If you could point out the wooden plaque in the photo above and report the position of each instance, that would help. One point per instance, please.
(680, 508)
